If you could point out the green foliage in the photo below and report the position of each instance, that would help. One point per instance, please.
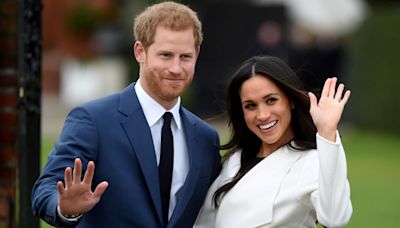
(375, 102)
(83, 19)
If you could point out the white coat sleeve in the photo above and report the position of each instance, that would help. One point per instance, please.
(331, 200)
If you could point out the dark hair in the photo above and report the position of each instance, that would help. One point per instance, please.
(244, 139)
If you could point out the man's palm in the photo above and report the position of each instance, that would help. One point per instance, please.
(76, 196)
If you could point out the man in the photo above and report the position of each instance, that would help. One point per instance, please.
(123, 135)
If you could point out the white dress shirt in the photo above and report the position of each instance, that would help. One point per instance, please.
(154, 112)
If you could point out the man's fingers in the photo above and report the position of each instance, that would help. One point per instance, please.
(98, 192)
(68, 177)
(89, 173)
(60, 187)
(77, 171)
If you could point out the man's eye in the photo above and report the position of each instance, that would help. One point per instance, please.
(186, 57)
(165, 55)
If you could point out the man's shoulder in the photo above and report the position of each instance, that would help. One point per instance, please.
(194, 119)
(101, 103)
(109, 101)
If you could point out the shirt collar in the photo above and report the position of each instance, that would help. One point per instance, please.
(152, 110)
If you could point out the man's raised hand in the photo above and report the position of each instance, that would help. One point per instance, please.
(76, 196)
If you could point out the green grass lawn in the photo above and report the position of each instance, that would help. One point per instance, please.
(374, 174)
(373, 170)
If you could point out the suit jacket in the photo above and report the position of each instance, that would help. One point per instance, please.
(288, 188)
(113, 132)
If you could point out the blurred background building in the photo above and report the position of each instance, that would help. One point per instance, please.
(87, 48)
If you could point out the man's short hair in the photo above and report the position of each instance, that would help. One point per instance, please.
(170, 15)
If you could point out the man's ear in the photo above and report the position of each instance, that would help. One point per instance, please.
(197, 51)
(139, 51)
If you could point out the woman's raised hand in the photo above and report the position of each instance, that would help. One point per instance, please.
(326, 112)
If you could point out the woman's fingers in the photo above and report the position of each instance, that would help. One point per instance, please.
(325, 89)
(332, 87)
(329, 90)
(329, 87)
(339, 92)
(346, 97)
(313, 100)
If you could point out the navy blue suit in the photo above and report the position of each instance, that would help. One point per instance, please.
(113, 132)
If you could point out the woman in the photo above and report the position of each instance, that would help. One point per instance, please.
(286, 166)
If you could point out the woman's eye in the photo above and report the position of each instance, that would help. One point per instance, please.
(249, 106)
(271, 100)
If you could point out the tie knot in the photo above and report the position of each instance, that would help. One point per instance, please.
(167, 118)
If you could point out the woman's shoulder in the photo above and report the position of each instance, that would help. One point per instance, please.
(232, 157)
(231, 164)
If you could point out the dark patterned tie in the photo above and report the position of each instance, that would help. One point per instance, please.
(166, 164)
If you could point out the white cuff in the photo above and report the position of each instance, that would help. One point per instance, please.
(68, 219)
(337, 140)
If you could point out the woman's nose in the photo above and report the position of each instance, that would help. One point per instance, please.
(263, 113)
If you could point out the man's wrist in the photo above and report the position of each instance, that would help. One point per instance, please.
(69, 218)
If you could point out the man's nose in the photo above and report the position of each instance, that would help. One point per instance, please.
(176, 66)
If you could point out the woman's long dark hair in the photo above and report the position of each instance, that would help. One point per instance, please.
(242, 138)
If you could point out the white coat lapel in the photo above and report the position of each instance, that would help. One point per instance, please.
(250, 202)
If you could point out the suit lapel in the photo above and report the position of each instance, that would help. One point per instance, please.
(138, 132)
(187, 190)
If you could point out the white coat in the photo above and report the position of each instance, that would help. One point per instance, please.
(288, 188)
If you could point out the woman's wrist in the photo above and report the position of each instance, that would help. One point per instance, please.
(328, 134)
